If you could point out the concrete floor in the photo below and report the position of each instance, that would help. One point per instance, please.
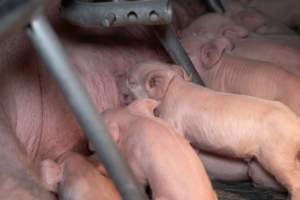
(245, 191)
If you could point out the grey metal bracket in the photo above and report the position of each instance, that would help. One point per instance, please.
(123, 13)
(108, 14)
(216, 5)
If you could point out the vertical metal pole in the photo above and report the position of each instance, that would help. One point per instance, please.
(172, 45)
(48, 46)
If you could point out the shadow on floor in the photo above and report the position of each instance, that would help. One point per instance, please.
(245, 191)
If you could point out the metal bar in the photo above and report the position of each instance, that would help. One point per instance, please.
(49, 48)
(172, 45)
(123, 13)
(88, 14)
(15, 15)
(216, 6)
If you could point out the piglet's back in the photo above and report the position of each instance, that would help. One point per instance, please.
(170, 164)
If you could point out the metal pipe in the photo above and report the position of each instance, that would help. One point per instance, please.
(15, 15)
(216, 6)
(123, 13)
(51, 51)
(172, 45)
(88, 14)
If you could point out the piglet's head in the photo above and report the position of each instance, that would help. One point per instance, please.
(217, 25)
(118, 117)
(206, 51)
(151, 79)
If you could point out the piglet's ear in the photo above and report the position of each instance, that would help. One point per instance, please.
(156, 83)
(51, 174)
(151, 104)
(211, 52)
(181, 72)
(114, 131)
(223, 44)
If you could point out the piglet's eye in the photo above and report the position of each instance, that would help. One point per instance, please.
(152, 82)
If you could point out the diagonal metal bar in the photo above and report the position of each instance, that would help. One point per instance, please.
(172, 45)
(15, 14)
(216, 5)
(52, 53)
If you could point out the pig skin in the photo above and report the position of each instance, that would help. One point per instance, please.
(287, 11)
(221, 70)
(171, 167)
(211, 161)
(36, 123)
(262, 129)
(280, 49)
(73, 177)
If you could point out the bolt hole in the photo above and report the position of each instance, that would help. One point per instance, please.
(132, 16)
(153, 15)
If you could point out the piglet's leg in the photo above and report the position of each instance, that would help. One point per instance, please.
(261, 178)
(281, 161)
(224, 169)
(19, 179)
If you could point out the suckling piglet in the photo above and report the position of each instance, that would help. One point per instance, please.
(226, 124)
(74, 177)
(157, 154)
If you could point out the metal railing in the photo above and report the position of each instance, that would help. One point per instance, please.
(17, 15)
(89, 14)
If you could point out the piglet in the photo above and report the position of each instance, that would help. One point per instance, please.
(157, 154)
(260, 23)
(286, 11)
(223, 71)
(73, 177)
(231, 125)
(280, 49)
(217, 24)
(257, 21)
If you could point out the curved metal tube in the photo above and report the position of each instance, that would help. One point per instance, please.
(51, 51)
(107, 14)
(16, 14)
(216, 6)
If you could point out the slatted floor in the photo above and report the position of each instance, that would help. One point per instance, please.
(245, 191)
